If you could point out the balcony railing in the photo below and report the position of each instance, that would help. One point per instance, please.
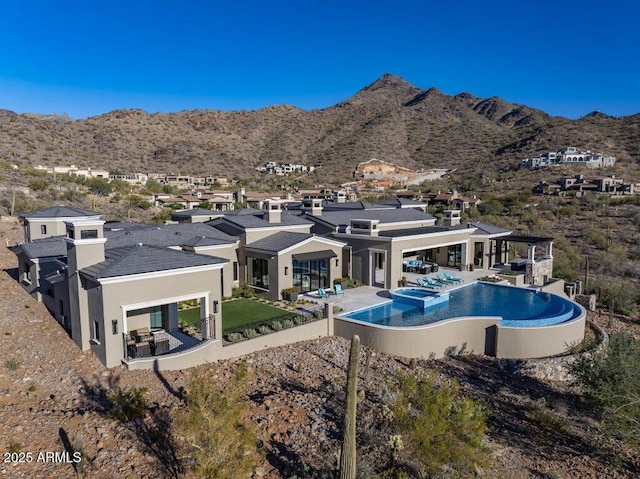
(162, 342)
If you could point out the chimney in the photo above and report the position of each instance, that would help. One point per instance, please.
(312, 206)
(272, 210)
(85, 247)
(451, 218)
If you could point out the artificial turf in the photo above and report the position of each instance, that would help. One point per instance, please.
(245, 311)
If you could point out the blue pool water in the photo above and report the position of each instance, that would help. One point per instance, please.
(517, 307)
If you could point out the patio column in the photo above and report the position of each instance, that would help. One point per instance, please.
(549, 252)
(531, 258)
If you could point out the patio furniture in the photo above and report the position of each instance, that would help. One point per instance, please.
(453, 278)
(322, 293)
(142, 334)
(337, 289)
(160, 346)
(424, 284)
(139, 350)
(434, 282)
(444, 280)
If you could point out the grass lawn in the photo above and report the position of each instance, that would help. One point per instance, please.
(191, 317)
(244, 311)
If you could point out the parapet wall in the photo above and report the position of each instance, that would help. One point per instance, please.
(466, 335)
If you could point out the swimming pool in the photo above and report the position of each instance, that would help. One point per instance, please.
(517, 307)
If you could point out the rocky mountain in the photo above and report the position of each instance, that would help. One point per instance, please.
(390, 120)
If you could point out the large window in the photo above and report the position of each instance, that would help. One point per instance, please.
(156, 317)
(311, 275)
(454, 255)
(258, 273)
(478, 253)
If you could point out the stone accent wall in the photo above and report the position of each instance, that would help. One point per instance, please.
(536, 272)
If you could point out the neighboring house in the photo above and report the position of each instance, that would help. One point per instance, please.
(581, 184)
(569, 155)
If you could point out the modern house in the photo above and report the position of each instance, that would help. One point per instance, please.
(568, 155)
(115, 287)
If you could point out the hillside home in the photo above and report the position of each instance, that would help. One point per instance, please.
(568, 155)
(581, 184)
(115, 287)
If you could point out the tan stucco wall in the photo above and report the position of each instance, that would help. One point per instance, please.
(117, 296)
(428, 341)
(470, 335)
(213, 350)
(54, 228)
(305, 332)
(539, 342)
(204, 353)
(229, 253)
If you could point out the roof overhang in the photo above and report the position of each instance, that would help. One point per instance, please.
(323, 254)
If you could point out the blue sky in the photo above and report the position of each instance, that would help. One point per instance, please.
(86, 58)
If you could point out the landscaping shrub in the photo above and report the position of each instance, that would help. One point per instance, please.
(234, 337)
(438, 427)
(249, 333)
(127, 404)
(610, 379)
(216, 439)
(264, 329)
(276, 325)
(287, 323)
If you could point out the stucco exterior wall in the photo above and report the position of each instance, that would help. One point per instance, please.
(117, 298)
(465, 335)
(473, 335)
(229, 253)
(206, 352)
(305, 332)
(539, 342)
(33, 226)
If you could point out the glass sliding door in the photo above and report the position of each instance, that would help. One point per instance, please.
(258, 273)
(311, 275)
(454, 255)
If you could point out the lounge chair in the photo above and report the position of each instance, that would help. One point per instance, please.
(337, 288)
(445, 280)
(424, 284)
(453, 278)
(434, 282)
(322, 293)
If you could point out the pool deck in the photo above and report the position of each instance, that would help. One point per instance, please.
(365, 296)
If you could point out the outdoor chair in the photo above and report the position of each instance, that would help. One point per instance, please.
(322, 293)
(444, 280)
(424, 284)
(434, 282)
(453, 278)
(337, 289)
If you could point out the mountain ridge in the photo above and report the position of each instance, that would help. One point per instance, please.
(388, 119)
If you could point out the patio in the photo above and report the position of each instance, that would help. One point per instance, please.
(363, 296)
(172, 341)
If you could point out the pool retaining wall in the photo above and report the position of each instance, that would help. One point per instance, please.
(477, 335)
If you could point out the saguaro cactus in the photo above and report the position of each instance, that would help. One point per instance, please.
(348, 455)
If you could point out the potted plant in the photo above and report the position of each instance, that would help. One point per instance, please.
(344, 282)
(290, 294)
(403, 281)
